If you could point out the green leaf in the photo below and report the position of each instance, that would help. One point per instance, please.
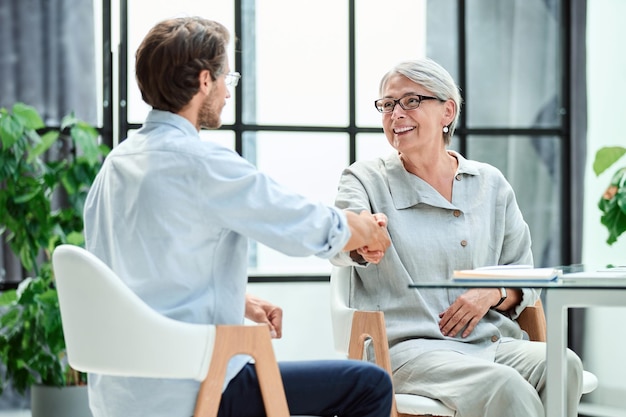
(619, 178)
(47, 140)
(26, 196)
(76, 238)
(613, 218)
(10, 130)
(68, 121)
(607, 156)
(28, 116)
(86, 138)
(7, 297)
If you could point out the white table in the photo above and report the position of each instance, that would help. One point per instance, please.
(581, 289)
(580, 286)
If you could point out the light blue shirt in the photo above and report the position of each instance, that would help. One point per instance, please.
(171, 215)
(430, 238)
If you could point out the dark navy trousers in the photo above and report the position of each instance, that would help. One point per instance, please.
(344, 388)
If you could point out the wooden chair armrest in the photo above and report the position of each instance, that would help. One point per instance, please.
(533, 321)
(370, 325)
(256, 342)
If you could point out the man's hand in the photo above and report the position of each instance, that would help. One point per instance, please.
(367, 230)
(374, 256)
(261, 311)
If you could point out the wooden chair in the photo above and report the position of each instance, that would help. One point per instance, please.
(109, 330)
(352, 328)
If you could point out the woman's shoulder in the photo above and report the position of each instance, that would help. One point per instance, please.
(375, 166)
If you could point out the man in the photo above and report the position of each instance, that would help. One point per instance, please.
(172, 216)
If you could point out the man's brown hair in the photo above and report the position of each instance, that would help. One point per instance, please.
(171, 57)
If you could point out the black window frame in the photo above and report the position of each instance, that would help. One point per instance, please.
(569, 253)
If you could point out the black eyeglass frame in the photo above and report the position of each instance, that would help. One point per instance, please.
(397, 101)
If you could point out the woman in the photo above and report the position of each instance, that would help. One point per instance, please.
(445, 213)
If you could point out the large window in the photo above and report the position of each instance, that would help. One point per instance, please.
(310, 71)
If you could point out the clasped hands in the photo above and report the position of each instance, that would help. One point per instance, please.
(374, 252)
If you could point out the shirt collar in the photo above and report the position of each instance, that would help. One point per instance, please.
(408, 190)
(174, 120)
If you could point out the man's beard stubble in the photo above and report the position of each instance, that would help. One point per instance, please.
(209, 117)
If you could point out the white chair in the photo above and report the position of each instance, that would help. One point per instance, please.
(109, 330)
(352, 328)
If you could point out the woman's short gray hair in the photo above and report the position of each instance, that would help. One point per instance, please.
(434, 78)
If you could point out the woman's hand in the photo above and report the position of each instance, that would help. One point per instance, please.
(467, 311)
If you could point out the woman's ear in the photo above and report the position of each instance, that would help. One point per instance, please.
(449, 112)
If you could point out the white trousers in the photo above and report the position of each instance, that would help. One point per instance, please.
(512, 386)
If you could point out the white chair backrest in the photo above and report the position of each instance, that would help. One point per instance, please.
(341, 314)
(109, 330)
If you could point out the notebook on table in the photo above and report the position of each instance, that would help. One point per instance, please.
(507, 272)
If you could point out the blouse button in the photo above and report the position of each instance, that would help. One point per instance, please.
(458, 177)
(456, 213)
(494, 338)
(464, 243)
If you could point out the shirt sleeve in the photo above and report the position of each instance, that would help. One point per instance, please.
(249, 202)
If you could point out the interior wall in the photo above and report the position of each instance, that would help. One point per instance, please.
(606, 69)
(307, 329)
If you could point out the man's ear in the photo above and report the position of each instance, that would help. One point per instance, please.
(206, 82)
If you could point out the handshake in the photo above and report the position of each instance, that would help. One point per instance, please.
(369, 237)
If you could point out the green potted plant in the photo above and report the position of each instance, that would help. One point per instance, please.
(45, 175)
(613, 201)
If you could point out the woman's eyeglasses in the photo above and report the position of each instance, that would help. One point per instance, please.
(409, 102)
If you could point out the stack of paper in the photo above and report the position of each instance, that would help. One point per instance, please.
(506, 273)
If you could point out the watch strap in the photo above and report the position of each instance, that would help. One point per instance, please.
(502, 297)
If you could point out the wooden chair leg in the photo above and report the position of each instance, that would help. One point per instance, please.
(371, 325)
(250, 340)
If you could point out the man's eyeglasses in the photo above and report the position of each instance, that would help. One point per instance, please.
(410, 102)
(232, 79)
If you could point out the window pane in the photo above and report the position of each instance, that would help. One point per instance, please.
(143, 14)
(386, 33)
(307, 163)
(443, 39)
(301, 74)
(533, 167)
(372, 146)
(513, 63)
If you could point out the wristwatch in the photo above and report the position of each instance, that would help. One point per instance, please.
(502, 297)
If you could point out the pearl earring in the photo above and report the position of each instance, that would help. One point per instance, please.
(445, 129)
